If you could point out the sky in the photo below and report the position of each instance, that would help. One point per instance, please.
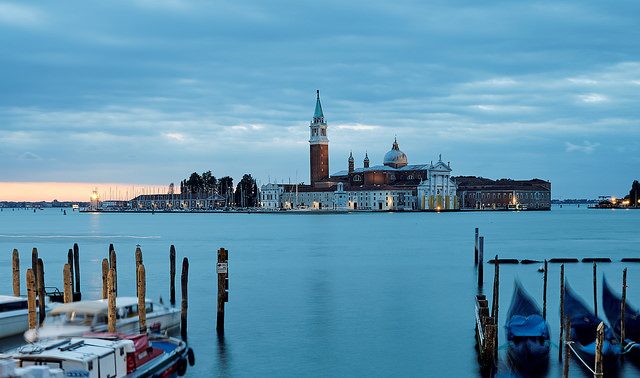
(145, 92)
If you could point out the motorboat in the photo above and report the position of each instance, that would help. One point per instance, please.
(77, 318)
(101, 355)
(14, 315)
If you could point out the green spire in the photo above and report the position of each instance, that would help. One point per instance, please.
(318, 112)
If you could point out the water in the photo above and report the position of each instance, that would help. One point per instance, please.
(364, 294)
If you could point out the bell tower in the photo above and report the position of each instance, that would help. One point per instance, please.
(318, 145)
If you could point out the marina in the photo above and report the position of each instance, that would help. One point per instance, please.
(339, 294)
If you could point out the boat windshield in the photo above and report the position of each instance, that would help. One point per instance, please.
(72, 318)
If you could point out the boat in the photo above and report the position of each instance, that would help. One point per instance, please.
(584, 324)
(76, 318)
(14, 315)
(612, 303)
(527, 333)
(102, 355)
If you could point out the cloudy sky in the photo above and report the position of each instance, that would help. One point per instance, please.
(145, 92)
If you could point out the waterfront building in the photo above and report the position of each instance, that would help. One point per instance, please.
(394, 185)
(186, 201)
(505, 194)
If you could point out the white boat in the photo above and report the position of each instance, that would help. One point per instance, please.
(14, 315)
(100, 355)
(77, 318)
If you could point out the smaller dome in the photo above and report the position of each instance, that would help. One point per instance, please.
(395, 158)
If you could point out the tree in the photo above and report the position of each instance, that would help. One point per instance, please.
(225, 188)
(246, 192)
(194, 184)
(634, 194)
(208, 182)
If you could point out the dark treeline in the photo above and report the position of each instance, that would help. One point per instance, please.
(244, 195)
(634, 194)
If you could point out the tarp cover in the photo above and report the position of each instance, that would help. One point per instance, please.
(530, 326)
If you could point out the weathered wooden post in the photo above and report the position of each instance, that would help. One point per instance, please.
(496, 299)
(111, 301)
(105, 276)
(76, 264)
(112, 265)
(480, 261)
(561, 309)
(31, 299)
(138, 263)
(41, 295)
(567, 351)
(222, 268)
(184, 280)
(16, 273)
(142, 288)
(544, 292)
(476, 247)
(68, 286)
(623, 309)
(70, 262)
(34, 267)
(172, 273)
(599, 343)
(595, 289)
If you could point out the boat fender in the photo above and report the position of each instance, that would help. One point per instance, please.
(191, 357)
(182, 366)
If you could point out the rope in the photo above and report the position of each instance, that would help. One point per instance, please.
(627, 348)
(580, 358)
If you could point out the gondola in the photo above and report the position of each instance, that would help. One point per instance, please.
(527, 333)
(612, 309)
(584, 325)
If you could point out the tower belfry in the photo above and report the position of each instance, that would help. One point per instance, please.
(318, 145)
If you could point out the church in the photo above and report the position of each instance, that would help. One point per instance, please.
(395, 185)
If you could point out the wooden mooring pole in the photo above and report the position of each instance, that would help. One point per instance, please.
(16, 273)
(184, 280)
(105, 277)
(172, 274)
(142, 288)
(76, 265)
(34, 267)
(112, 266)
(70, 262)
(623, 306)
(67, 285)
(480, 261)
(222, 268)
(476, 247)
(496, 299)
(41, 296)
(595, 289)
(111, 301)
(567, 351)
(544, 292)
(599, 344)
(561, 310)
(138, 263)
(31, 298)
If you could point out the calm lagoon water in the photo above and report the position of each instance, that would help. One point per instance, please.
(359, 294)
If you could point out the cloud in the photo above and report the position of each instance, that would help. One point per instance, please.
(20, 15)
(593, 97)
(29, 156)
(587, 147)
(175, 136)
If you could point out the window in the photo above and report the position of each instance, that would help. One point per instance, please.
(356, 178)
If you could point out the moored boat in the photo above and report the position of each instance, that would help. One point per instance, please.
(612, 304)
(584, 324)
(77, 318)
(527, 333)
(14, 315)
(112, 355)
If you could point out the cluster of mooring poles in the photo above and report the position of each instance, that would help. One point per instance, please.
(486, 320)
(71, 290)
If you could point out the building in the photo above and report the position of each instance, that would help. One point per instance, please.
(393, 185)
(486, 194)
(186, 201)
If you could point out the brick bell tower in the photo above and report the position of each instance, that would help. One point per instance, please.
(318, 145)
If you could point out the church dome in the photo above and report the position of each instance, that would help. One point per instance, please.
(395, 158)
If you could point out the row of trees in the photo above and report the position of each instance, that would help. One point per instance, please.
(244, 195)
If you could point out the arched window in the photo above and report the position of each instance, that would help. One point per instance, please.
(356, 178)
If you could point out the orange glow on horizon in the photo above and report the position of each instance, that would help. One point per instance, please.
(72, 191)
